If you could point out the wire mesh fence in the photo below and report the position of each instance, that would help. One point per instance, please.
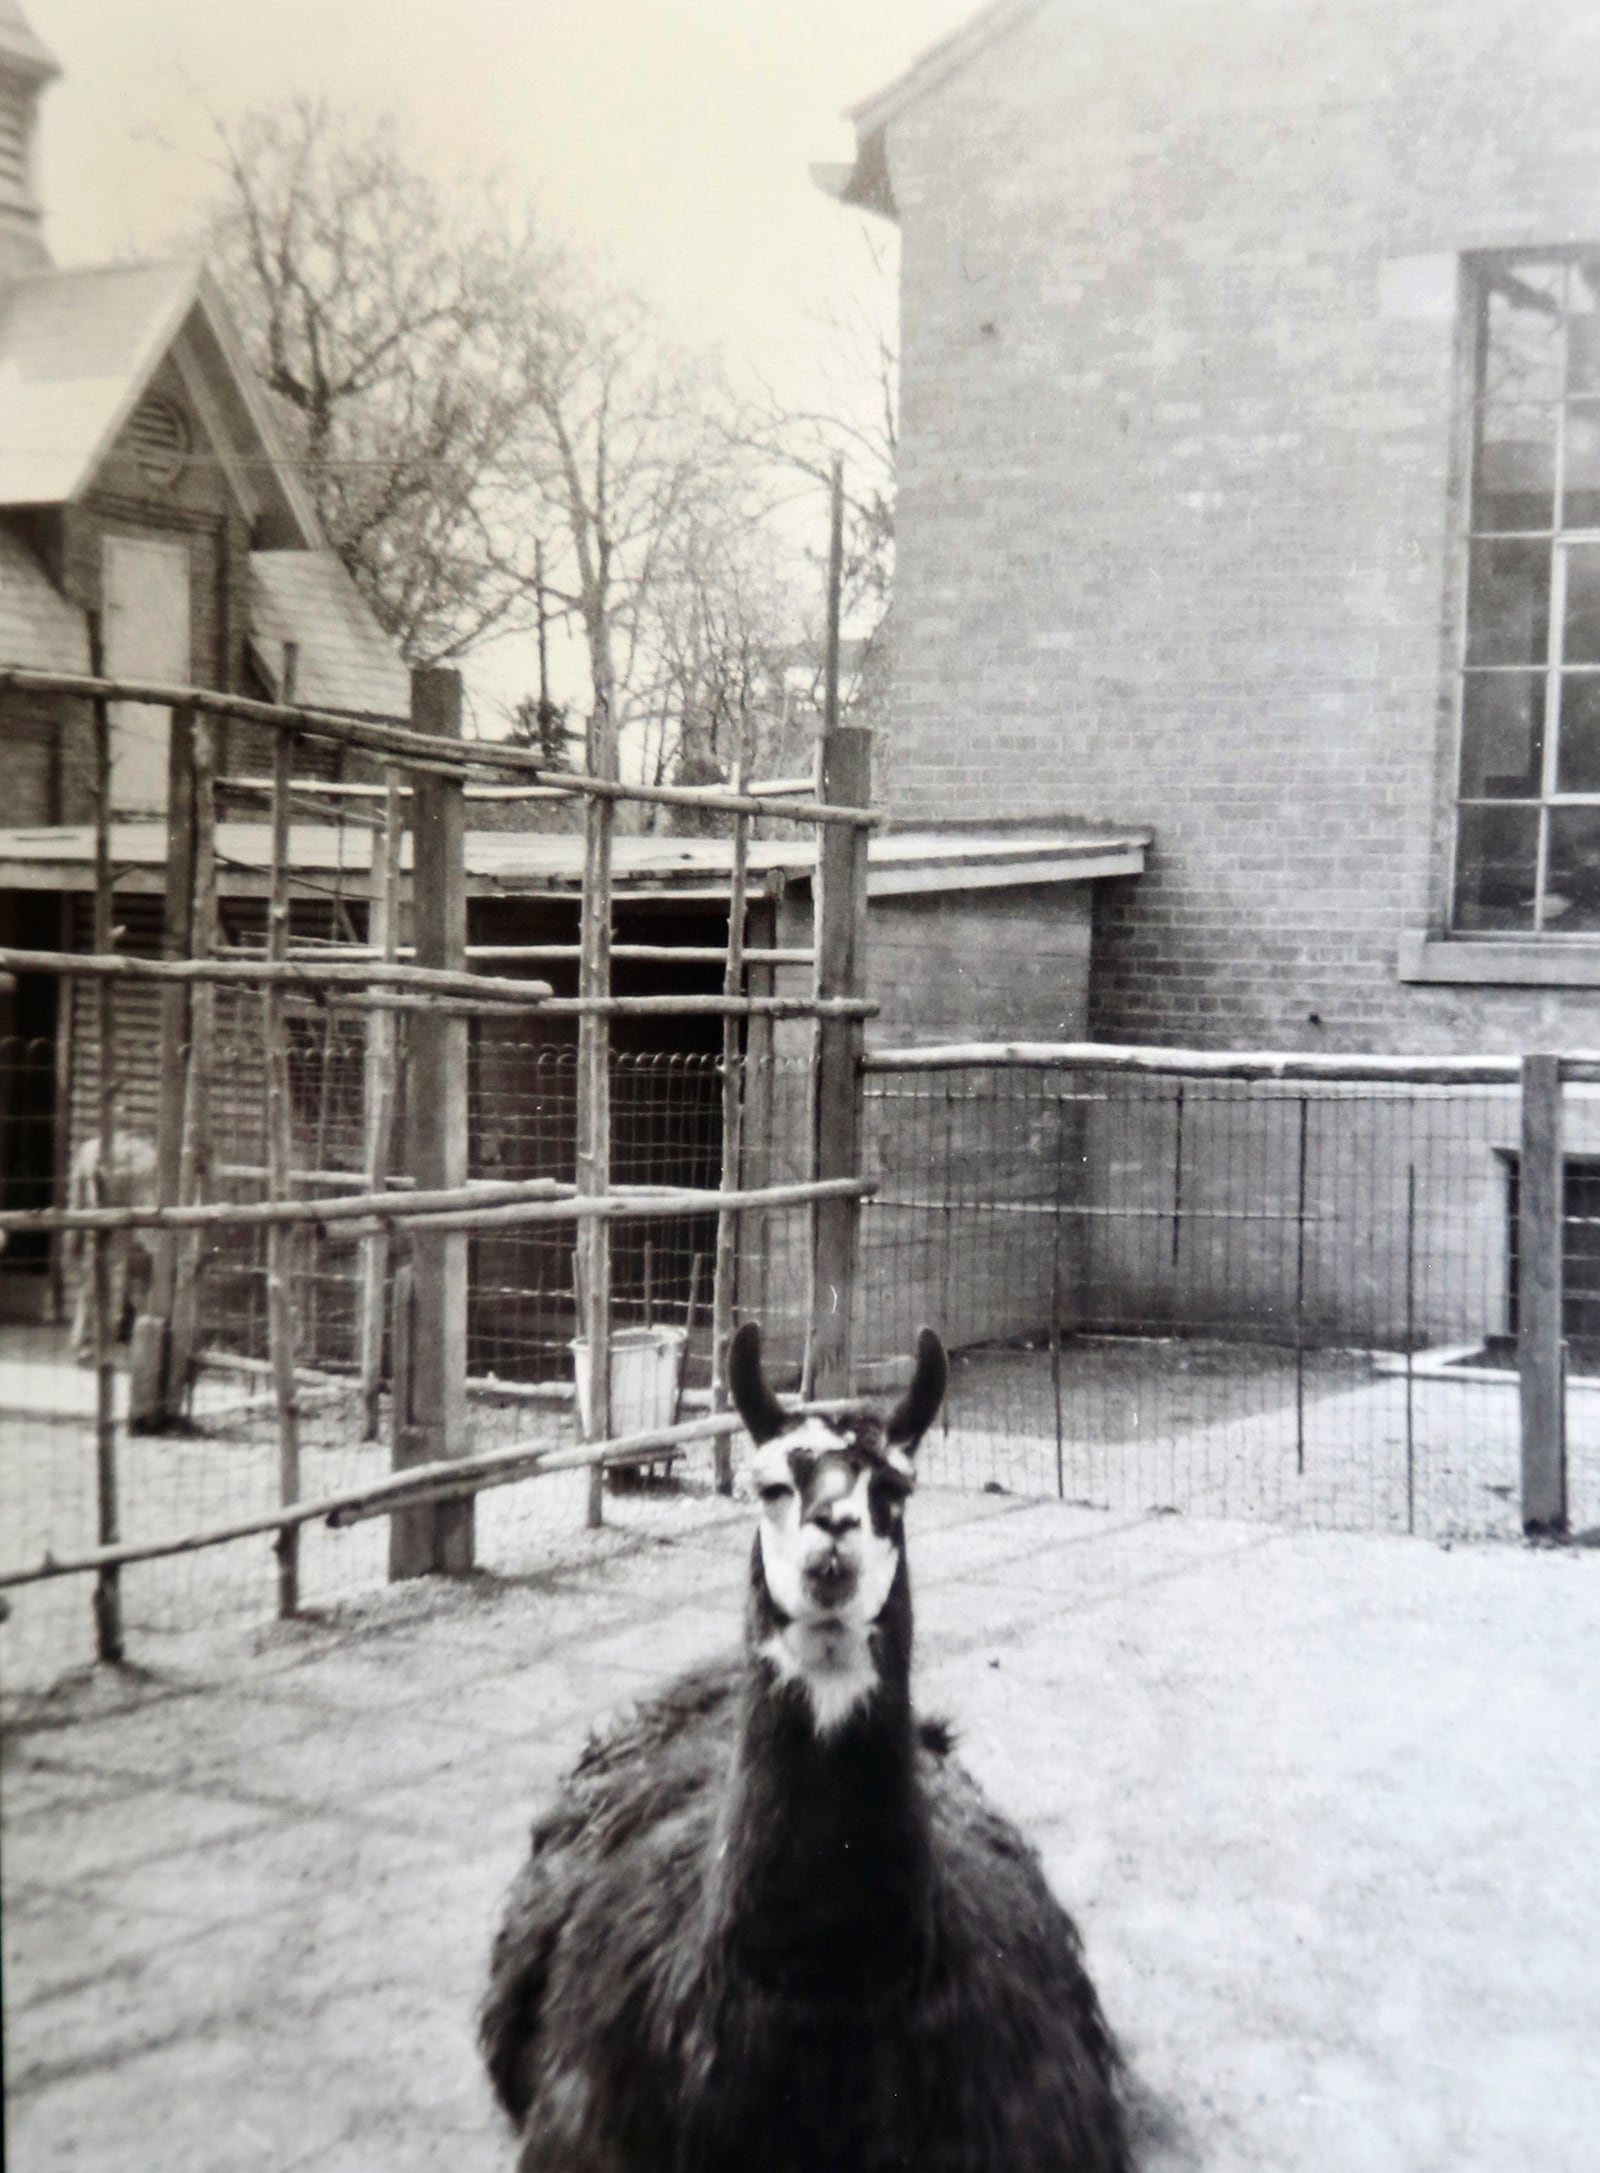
(1210, 1295)
(667, 1132)
(220, 1466)
(1161, 1291)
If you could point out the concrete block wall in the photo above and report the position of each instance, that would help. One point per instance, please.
(1181, 422)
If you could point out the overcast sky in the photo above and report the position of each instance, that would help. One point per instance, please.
(671, 136)
(671, 139)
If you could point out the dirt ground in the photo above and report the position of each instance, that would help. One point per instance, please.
(1196, 1426)
(1327, 1807)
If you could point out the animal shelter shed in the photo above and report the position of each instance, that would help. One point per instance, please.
(972, 931)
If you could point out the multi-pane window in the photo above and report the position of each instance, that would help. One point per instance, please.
(1528, 812)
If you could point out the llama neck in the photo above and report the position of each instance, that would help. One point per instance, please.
(823, 1869)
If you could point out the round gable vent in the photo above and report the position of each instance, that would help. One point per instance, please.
(159, 437)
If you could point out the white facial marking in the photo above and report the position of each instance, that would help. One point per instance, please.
(826, 1642)
(835, 1691)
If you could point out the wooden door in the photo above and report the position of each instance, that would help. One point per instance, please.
(146, 621)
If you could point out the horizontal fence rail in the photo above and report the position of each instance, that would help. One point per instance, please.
(394, 740)
(304, 1182)
(447, 1480)
(1159, 1063)
(331, 977)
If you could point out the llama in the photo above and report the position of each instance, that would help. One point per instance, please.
(770, 1922)
(128, 1181)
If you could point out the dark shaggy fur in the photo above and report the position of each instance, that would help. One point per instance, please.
(739, 1947)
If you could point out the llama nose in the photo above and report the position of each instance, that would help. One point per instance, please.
(835, 1514)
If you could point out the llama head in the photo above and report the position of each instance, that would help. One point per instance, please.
(830, 1548)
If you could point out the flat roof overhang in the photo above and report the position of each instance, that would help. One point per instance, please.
(900, 863)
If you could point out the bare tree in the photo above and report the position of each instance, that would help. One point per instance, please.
(629, 455)
(726, 636)
(851, 410)
(493, 436)
(390, 326)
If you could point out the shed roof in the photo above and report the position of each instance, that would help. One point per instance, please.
(77, 351)
(345, 660)
(900, 863)
(39, 629)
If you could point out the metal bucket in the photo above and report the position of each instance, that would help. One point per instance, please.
(644, 1378)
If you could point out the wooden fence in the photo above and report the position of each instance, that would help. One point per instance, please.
(435, 984)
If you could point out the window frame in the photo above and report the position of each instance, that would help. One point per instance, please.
(1482, 273)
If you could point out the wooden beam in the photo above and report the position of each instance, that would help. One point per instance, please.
(593, 1259)
(194, 1178)
(153, 1402)
(429, 1482)
(1212, 1064)
(665, 954)
(841, 907)
(1540, 1350)
(438, 1537)
(419, 750)
(727, 1259)
(404, 1203)
(317, 976)
(378, 1111)
(280, 1161)
(108, 1588)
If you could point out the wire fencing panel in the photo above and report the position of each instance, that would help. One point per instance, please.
(1239, 1297)
(221, 1466)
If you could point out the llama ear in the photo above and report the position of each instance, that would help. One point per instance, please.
(755, 1403)
(919, 1406)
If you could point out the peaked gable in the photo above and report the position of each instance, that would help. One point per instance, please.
(78, 351)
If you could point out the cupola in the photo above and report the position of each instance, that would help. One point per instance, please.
(26, 66)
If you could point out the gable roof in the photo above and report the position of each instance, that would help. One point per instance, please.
(78, 349)
(866, 183)
(344, 660)
(39, 629)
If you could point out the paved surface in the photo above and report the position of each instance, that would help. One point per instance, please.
(1327, 1807)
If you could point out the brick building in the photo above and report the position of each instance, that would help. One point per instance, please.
(1250, 489)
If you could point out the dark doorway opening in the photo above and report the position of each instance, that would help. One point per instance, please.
(1580, 1255)
(29, 1015)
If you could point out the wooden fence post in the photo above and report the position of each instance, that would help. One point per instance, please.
(154, 1404)
(437, 1535)
(841, 918)
(194, 1182)
(379, 1098)
(593, 1256)
(1541, 1189)
(280, 1162)
(727, 1260)
(108, 1583)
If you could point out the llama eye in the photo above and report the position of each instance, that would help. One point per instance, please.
(776, 1492)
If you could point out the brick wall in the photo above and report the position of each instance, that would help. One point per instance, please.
(1180, 434)
(1000, 964)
